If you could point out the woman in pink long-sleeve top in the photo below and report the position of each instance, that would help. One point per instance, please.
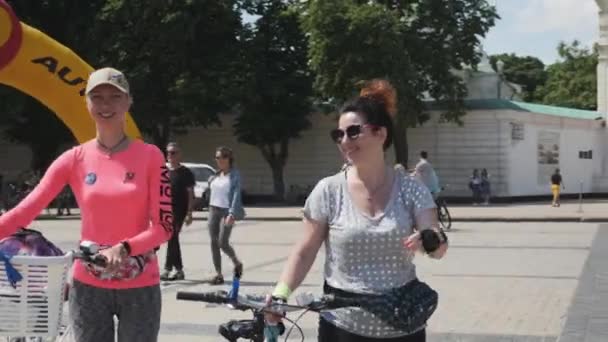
(123, 189)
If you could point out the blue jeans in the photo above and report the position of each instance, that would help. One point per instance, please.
(219, 233)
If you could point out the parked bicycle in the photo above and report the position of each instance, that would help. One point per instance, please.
(443, 214)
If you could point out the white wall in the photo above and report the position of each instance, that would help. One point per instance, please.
(484, 141)
(600, 160)
(311, 157)
(575, 136)
(600, 142)
(456, 150)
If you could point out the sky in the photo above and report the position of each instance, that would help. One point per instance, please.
(535, 27)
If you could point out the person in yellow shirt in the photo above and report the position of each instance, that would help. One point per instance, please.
(556, 185)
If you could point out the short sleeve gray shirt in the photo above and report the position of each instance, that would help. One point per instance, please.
(366, 254)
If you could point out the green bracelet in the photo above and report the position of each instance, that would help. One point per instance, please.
(282, 291)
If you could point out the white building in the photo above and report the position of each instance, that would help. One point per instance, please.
(502, 136)
(520, 144)
(499, 134)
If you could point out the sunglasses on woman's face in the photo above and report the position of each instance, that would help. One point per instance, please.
(352, 132)
(218, 157)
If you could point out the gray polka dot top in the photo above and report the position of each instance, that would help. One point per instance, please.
(365, 254)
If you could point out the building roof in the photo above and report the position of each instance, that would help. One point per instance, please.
(529, 107)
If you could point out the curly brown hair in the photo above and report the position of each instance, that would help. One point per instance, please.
(377, 103)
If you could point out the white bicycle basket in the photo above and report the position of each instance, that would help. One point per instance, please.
(34, 308)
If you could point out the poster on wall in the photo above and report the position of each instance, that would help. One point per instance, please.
(548, 155)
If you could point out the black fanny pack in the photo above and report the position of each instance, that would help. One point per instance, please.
(405, 308)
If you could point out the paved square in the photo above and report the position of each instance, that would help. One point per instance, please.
(499, 282)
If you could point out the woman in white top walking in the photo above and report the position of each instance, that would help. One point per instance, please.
(225, 207)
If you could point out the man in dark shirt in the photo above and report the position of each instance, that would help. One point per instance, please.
(556, 182)
(182, 195)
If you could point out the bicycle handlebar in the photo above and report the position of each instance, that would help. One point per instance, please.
(253, 302)
(242, 302)
(255, 329)
(218, 297)
(96, 259)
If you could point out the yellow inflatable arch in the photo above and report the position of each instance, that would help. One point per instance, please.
(48, 71)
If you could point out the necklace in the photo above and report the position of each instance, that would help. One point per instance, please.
(113, 148)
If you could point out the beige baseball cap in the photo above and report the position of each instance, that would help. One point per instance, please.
(109, 76)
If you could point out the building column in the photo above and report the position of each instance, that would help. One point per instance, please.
(602, 84)
(602, 66)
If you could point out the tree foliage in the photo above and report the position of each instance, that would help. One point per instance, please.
(275, 103)
(24, 119)
(572, 82)
(179, 57)
(415, 44)
(527, 71)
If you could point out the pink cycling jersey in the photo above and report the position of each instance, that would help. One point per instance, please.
(125, 196)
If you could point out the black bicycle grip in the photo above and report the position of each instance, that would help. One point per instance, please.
(218, 297)
(430, 240)
(96, 259)
(99, 260)
(334, 301)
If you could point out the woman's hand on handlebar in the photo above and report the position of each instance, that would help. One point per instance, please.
(114, 256)
(272, 317)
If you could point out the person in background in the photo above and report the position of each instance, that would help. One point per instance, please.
(225, 207)
(475, 186)
(63, 202)
(425, 173)
(485, 186)
(182, 202)
(557, 184)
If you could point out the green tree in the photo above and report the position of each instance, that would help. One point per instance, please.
(527, 71)
(572, 82)
(24, 119)
(179, 56)
(275, 104)
(415, 44)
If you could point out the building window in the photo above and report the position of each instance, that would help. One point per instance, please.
(517, 131)
(585, 154)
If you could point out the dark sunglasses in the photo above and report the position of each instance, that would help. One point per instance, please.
(220, 157)
(172, 152)
(352, 132)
